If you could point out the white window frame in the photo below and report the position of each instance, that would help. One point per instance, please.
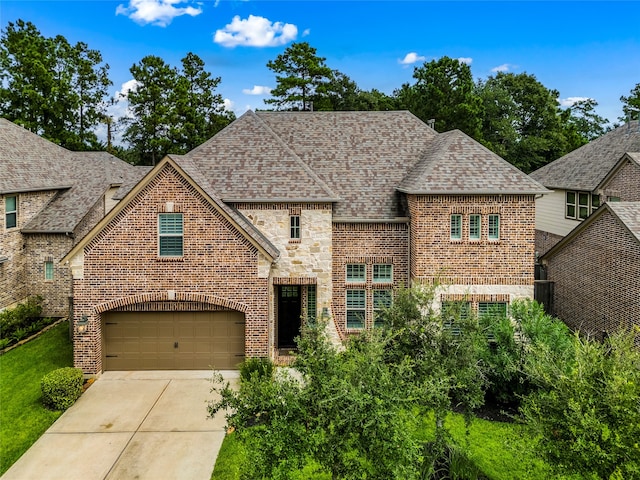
(382, 273)
(361, 276)
(170, 234)
(582, 205)
(455, 226)
(475, 226)
(487, 308)
(13, 213)
(356, 304)
(493, 232)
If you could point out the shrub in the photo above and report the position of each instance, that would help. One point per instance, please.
(261, 367)
(15, 323)
(61, 387)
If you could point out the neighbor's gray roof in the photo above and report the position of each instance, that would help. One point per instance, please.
(362, 156)
(32, 163)
(454, 163)
(190, 168)
(587, 166)
(629, 214)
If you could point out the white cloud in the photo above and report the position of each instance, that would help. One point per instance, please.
(255, 32)
(257, 90)
(466, 60)
(228, 104)
(126, 88)
(306, 32)
(501, 68)
(157, 12)
(570, 101)
(412, 57)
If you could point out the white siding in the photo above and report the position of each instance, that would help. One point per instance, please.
(550, 214)
(109, 202)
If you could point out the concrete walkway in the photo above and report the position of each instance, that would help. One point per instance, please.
(131, 425)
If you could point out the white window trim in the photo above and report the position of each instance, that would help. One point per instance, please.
(295, 231)
(362, 309)
(479, 226)
(356, 280)
(458, 226)
(384, 279)
(46, 277)
(9, 212)
(489, 236)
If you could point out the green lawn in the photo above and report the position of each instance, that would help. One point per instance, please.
(501, 450)
(22, 417)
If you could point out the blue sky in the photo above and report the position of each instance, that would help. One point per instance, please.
(580, 48)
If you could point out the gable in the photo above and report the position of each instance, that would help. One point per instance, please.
(153, 186)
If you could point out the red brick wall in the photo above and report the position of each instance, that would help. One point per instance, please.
(596, 278)
(508, 261)
(121, 266)
(384, 243)
(545, 241)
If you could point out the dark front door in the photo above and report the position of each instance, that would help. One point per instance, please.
(289, 315)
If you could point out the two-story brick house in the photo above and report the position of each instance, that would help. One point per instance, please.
(604, 170)
(285, 216)
(50, 197)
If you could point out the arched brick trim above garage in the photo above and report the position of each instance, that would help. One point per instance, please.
(171, 297)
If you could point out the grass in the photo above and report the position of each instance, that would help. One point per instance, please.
(23, 418)
(502, 451)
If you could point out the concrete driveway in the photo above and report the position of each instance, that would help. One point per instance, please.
(131, 425)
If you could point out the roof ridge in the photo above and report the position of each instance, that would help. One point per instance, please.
(302, 163)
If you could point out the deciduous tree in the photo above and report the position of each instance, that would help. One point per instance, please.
(631, 104)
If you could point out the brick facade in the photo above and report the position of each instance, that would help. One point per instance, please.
(545, 241)
(596, 276)
(624, 184)
(121, 267)
(369, 244)
(17, 273)
(435, 257)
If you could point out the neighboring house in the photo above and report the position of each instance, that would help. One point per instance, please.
(284, 217)
(49, 199)
(604, 170)
(596, 271)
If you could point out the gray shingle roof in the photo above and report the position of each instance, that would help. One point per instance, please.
(629, 214)
(585, 167)
(454, 163)
(247, 162)
(190, 168)
(32, 163)
(362, 156)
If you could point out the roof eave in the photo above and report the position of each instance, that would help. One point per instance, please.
(474, 192)
(35, 189)
(280, 200)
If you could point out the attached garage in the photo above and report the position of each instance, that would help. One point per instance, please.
(173, 340)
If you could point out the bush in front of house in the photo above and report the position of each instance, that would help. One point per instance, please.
(21, 321)
(61, 387)
(262, 367)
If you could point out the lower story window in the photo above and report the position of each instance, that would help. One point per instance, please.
(494, 309)
(356, 308)
(381, 300)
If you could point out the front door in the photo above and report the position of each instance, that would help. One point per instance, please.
(289, 315)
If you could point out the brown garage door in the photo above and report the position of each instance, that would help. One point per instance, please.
(173, 340)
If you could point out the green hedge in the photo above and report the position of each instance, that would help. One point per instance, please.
(61, 388)
(22, 321)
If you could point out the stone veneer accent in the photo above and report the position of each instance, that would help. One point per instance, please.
(304, 261)
(597, 278)
(121, 267)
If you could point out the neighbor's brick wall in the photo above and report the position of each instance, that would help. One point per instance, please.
(368, 243)
(545, 241)
(121, 266)
(625, 184)
(597, 278)
(93, 216)
(13, 281)
(435, 257)
(56, 292)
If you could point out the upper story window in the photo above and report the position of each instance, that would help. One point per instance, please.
(382, 273)
(170, 234)
(456, 227)
(48, 270)
(475, 223)
(11, 212)
(579, 205)
(294, 232)
(494, 227)
(356, 272)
